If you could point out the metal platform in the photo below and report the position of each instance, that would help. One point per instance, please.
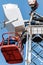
(32, 29)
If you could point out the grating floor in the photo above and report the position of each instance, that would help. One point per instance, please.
(37, 53)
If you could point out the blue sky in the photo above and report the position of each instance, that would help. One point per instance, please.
(25, 9)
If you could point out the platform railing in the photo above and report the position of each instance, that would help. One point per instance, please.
(36, 29)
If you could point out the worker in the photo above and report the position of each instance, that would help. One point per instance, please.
(33, 4)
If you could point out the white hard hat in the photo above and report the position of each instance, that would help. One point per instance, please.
(31, 2)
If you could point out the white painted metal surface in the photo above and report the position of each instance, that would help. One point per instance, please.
(13, 14)
(10, 11)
